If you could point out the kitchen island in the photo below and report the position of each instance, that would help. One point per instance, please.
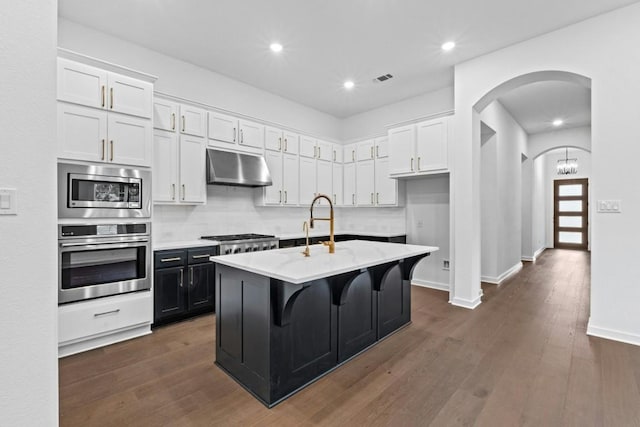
(284, 320)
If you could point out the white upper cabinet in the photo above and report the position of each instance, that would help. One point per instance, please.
(338, 199)
(307, 146)
(386, 188)
(324, 179)
(365, 183)
(419, 149)
(186, 119)
(338, 153)
(223, 128)
(381, 147)
(349, 153)
(349, 184)
(93, 87)
(193, 121)
(283, 168)
(278, 140)
(273, 193)
(307, 180)
(130, 140)
(82, 133)
(365, 150)
(290, 179)
(324, 150)
(291, 142)
(192, 188)
(165, 114)
(251, 134)
(165, 166)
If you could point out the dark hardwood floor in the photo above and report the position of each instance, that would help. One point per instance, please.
(520, 359)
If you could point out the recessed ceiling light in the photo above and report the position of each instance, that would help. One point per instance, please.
(349, 84)
(276, 47)
(448, 46)
(558, 122)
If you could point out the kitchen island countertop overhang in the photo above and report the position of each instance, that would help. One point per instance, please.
(289, 265)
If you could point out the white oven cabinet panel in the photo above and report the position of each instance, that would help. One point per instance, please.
(130, 96)
(193, 121)
(193, 188)
(165, 114)
(338, 153)
(90, 319)
(365, 180)
(165, 167)
(432, 146)
(324, 180)
(82, 133)
(365, 150)
(273, 194)
(251, 134)
(273, 139)
(291, 142)
(130, 140)
(325, 151)
(338, 199)
(349, 153)
(308, 147)
(349, 184)
(381, 147)
(386, 188)
(223, 128)
(290, 180)
(402, 143)
(307, 180)
(81, 84)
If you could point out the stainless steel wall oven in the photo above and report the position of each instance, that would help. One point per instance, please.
(97, 260)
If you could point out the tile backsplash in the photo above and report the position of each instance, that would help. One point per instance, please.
(232, 210)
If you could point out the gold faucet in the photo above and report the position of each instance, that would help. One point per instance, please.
(331, 243)
(305, 227)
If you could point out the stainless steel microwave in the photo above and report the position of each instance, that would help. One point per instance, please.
(92, 191)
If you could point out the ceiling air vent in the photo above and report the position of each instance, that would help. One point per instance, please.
(382, 78)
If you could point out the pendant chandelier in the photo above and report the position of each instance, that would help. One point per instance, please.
(567, 166)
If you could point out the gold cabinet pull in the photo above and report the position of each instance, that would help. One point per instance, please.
(353, 155)
(111, 94)
(372, 151)
(279, 144)
(334, 199)
(184, 123)
(412, 164)
(173, 121)
(371, 198)
(377, 151)
(280, 196)
(234, 134)
(285, 197)
(319, 155)
(377, 198)
(184, 191)
(103, 143)
(103, 95)
(241, 136)
(418, 163)
(286, 145)
(334, 155)
(173, 191)
(111, 142)
(353, 199)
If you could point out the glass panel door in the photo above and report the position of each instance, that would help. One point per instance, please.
(571, 213)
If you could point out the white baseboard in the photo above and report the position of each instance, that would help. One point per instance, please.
(504, 276)
(74, 347)
(612, 334)
(464, 303)
(431, 285)
(535, 256)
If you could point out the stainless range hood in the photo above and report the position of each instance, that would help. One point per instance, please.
(243, 169)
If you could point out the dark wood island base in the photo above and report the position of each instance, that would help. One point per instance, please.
(276, 337)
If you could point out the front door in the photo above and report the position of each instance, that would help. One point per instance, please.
(570, 213)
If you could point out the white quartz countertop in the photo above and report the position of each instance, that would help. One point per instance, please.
(184, 244)
(291, 266)
(325, 232)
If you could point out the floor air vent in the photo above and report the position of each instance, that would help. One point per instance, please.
(382, 78)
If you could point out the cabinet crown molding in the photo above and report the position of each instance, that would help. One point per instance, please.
(105, 65)
(421, 119)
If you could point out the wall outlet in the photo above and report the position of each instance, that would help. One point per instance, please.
(609, 206)
(445, 264)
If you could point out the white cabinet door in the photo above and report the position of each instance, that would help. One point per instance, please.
(165, 114)
(193, 121)
(338, 199)
(273, 139)
(349, 153)
(324, 179)
(192, 170)
(307, 180)
(382, 147)
(130, 140)
(81, 84)
(432, 146)
(251, 134)
(165, 166)
(402, 150)
(338, 153)
(130, 96)
(82, 133)
(325, 151)
(365, 150)
(290, 179)
(290, 142)
(223, 128)
(273, 194)
(349, 184)
(365, 180)
(386, 188)
(307, 146)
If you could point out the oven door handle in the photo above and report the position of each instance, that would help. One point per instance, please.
(111, 243)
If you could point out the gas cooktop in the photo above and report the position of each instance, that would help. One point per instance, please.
(234, 237)
(237, 243)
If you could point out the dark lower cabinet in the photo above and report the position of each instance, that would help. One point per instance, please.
(184, 283)
(358, 314)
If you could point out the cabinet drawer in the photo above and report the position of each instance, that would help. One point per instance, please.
(87, 319)
(200, 255)
(165, 259)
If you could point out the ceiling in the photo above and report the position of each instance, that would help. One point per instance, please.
(327, 42)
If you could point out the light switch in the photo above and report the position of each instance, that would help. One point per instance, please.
(8, 202)
(609, 206)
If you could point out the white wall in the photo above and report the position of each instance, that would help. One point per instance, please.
(427, 219)
(374, 122)
(603, 49)
(578, 137)
(28, 319)
(502, 212)
(538, 206)
(185, 80)
(527, 250)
